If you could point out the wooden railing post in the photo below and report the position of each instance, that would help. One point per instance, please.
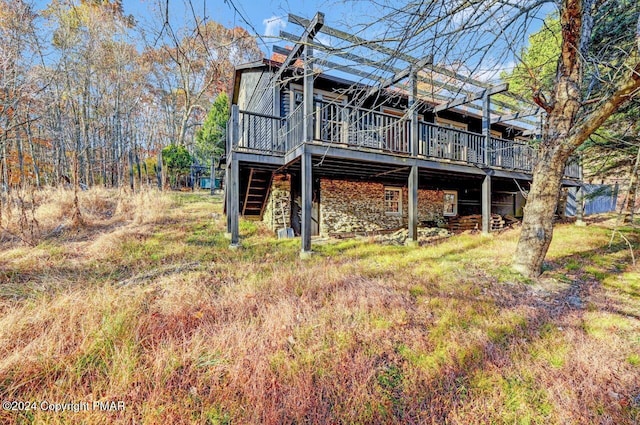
(275, 125)
(307, 95)
(344, 119)
(413, 96)
(235, 128)
(318, 117)
(486, 127)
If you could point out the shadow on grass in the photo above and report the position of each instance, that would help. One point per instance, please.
(449, 390)
(608, 399)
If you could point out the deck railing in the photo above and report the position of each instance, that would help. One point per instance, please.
(367, 129)
(361, 127)
(449, 143)
(573, 168)
(259, 132)
(511, 154)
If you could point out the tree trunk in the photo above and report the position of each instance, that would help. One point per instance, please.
(131, 182)
(77, 215)
(555, 149)
(19, 150)
(159, 174)
(5, 185)
(537, 224)
(36, 170)
(212, 177)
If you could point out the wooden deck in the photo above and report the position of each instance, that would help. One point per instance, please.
(373, 131)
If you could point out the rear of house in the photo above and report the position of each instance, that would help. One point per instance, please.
(329, 156)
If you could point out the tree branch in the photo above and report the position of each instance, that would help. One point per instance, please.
(590, 123)
(539, 99)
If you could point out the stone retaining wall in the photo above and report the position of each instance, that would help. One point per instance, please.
(348, 206)
(352, 207)
(279, 199)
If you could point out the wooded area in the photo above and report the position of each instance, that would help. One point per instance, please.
(89, 97)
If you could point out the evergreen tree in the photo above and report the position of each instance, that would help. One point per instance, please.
(210, 139)
(177, 160)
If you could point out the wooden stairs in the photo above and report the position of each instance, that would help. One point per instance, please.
(256, 193)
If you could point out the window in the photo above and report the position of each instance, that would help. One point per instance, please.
(393, 201)
(443, 122)
(450, 203)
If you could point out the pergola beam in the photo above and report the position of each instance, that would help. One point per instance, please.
(399, 76)
(472, 97)
(384, 67)
(517, 115)
(309, 32)
(358, 41)
(332, 65)
(341, 53)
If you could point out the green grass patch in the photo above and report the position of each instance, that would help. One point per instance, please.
(634, 359)
(602, 324)
(627, 283)
(105, 345)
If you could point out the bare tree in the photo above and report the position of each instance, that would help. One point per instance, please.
(595, 75)
(191, 65)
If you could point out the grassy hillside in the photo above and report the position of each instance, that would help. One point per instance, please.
(145, 305)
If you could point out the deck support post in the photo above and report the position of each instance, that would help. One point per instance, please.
(307, 195)
(232, 185)
(233, 208)
(486, 205)
(413, 149)
(413, 204)
(227, 174)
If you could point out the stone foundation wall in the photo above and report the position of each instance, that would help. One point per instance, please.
(279, 199)
(431, 206)
(347, 206)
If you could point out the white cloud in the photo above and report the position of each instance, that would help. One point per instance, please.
(323, 39)
(491, 73)
(273, 25)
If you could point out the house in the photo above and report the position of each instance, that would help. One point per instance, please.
(318, 152)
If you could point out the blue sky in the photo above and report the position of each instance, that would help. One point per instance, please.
(265, 18)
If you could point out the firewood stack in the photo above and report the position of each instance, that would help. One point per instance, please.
(474, 222)
(497, 222)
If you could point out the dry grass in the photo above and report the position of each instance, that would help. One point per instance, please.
(146, 305)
